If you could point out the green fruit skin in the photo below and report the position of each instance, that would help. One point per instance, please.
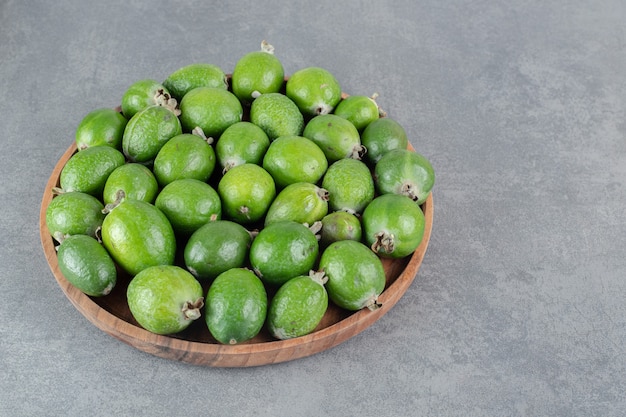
(350, 185)
(215, 248)
(139, 95)
(301, 202)
(157, 298)
(358, 110)
(291, 159)
(101, 127)
(74, 213)
(340, 225)
(241, 143)
(282, 251)
(314, 90)
(212, 109)
(246, 191)
(191, 76)
(382, 136)
(189, 204)
(395, 217)
(85, 263)
(87, 171)
(136, 180)
(138, 235)
(277, 115)
(257, 72)
(336, 136)
(236, 306)
(184, 156)
(356, 276)
(405, 172)
(147, 131)
(297, 308)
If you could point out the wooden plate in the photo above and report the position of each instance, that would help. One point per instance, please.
(195, 345)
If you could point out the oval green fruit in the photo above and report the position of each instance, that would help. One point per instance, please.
(87, 171)
(189, 204)
(298, 306)
(314, 90)
(340, 225)
(337, 137)
(246, 191)
(350, 185)
(184, 156)
(210, 109)
(217, 247)
(142, 94)
(283, 250)
(358, 110)
(74, 213)
(236, 306)
(135, 180)
(301, 202)
(277, 115)
(191, 76)
(101, 127)
(393, 225)
(356, 276)
(382, 136)
(241, 143)
(138, 236)
(147, 131)
(291, 159)
(85, 263)
(256, 73)
(405, 172)
(165, 299)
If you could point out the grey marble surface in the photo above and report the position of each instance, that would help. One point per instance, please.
(519, 308)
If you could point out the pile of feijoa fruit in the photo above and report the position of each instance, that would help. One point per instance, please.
(250, 200)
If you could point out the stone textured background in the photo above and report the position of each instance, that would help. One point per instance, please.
(519, 307)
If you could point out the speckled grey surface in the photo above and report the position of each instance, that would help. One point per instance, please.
(519, 308)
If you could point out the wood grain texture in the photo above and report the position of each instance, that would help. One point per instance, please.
(195, 345)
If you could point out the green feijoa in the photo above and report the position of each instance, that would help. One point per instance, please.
(236, 306)
(356, 276)
(184, 156)
(217, 247)
(257, 73)
(314, 90)
(87, 171)
(74, 213)
(291, 159)
(241, 143)
(298, 306)
(189, 204)
(191, 76)
(147, 131)
(211, 109)
(301, 202)
(165, 299)
(135, 180)
(246, 191)
(340, 225)
(101, 127)
(138, 235)
(283, 250)
(381, 136)
(359, 110)
(145, 93)
(393, 225)
(337, 137)
(405, 172)
(350, 185)
(277, 115)
(85, 263)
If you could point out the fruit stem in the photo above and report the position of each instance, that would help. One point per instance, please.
(357, 152)
(191, 309)
(57, 191)
(383, 242)
(323, 194)
(119, 197)
(409, 190)
(318, 276)
(163, 99)
(199, 132)
(266, 47)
